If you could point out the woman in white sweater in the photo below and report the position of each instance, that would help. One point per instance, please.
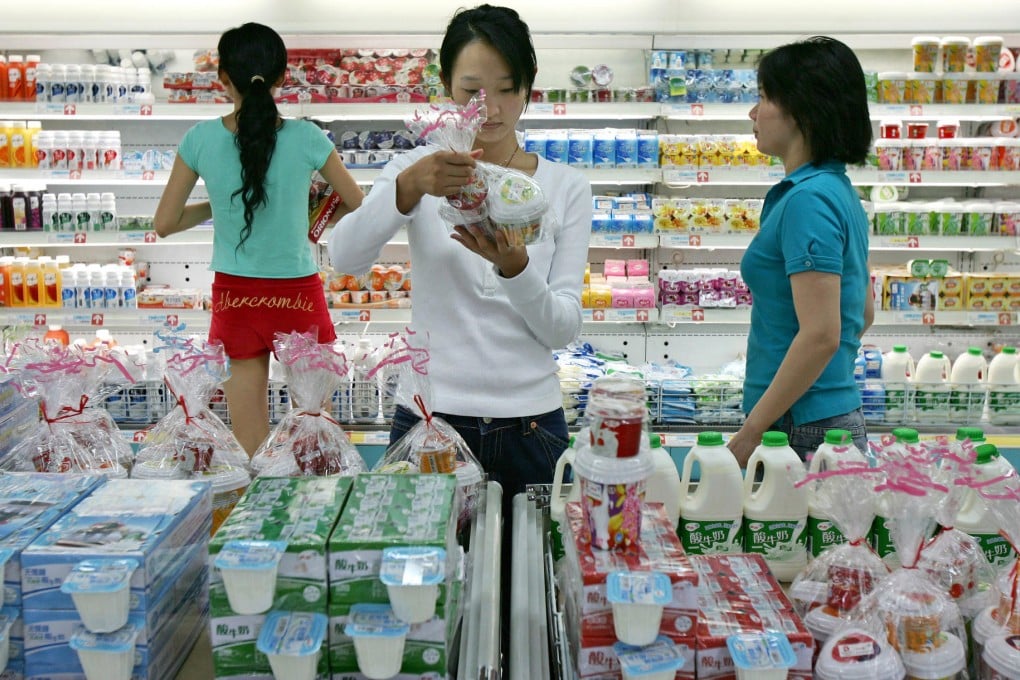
(493, 313)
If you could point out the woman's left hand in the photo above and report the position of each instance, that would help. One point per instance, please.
(510, 260)
(743, 443)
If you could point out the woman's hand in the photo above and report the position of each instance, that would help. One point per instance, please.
(743, 443)
(438, 174)
(510, 260)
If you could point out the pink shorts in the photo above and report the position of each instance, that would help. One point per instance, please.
(247, 312)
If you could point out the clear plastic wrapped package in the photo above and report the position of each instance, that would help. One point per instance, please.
(1002, 615)
(499, 199)
(75, 433)
(307, 440)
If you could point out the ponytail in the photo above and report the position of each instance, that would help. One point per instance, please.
(254, 58)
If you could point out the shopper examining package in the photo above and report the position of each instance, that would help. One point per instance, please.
(807, 267)
(257, 168)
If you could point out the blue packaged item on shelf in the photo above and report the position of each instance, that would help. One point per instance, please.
(579, 148)
(556, 149)
(647, 149)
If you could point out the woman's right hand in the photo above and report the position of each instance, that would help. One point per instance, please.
(438, 174)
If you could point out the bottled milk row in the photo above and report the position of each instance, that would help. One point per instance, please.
(936, 390)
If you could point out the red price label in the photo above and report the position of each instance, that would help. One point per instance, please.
(703, 177)
(145, 110)
(74, 174)
(598, 315)
(697, 109)
(914, 178)
(97, 319)
(697, 315)
(694, 240)
(559, 109)
(80, 236)
(1005, 319)
(139, 436)
(928, 319)
(148, 175)
(628, 240)
(39, 320)
(70, 109)
(149, 237)
(173, 321)
(913, 242)
(916, 110)
(365, 315)
(642, 315)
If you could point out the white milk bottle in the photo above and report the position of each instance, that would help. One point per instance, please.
(931, 388)
(711, 509)
(967, 387)
(838, 445)
(881, 540)
(1003, 388)
(364, 391)
(663, 484)
(974, 517)
(897, 372)
(775, 513)
(557, 501)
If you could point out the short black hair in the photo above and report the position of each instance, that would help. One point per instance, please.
(820, 83)
(502, 29)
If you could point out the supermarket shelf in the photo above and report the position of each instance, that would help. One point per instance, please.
(953, 244)
(706, 241)
(637, 241)
(672, 315)
(768, 40)
(41, 239)
(943, 318)
(766, 176)
(603, 316)
(108, 178)
(963, 112)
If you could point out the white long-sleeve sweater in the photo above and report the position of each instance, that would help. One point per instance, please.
(490, 338)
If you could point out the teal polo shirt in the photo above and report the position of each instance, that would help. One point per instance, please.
(811, 221)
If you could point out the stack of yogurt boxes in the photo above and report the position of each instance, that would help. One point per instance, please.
(29, 504)
(294, 515)
(395, 531)
(117, 588)
(585, 580)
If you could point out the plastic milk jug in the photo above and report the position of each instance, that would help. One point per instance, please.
(897, 371)
(881, 541)
(967, 388)
(974, 517)
(663, 484)
(711, 509)
(838, 445)
(1003, 389)
(557, 500)
(364, 393)
(775, 513)
(931, 388)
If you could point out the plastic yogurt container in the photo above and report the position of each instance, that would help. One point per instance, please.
(761, 655)
(378, 639)
(101, 591)
(293, 643)
(249, 571)
(822, 625)
(638, 598)
(516, 206)
(106, 656)
(947, 660)
(856, 654)
(657, 661)
(1001, 658)
(412, 575)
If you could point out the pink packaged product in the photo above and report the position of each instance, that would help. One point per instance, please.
(615, 268)
(644, 296)
(637, 268)
(623, 297)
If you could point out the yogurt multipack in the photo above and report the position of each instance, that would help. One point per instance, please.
(293, 642)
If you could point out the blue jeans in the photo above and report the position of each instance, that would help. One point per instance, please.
(807, 437)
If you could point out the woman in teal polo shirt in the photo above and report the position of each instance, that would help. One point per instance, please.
(807, 268)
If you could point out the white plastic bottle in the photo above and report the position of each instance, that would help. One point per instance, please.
(111, 286)
(108, 212)
(775, 513)
(43, 76)
(65, 212)
(557, 501)
(68, 292)
(82, 290)
(97, 287)
(974, 517)
(92, 204)
(663, 484)
(967, 387)
(72, 83)
(838, 446)
(59, 157)
(712, 508)
(49, 213)
(82, 217)
(75, 150)
(881, 540)
(128, 288)
(364, 392)
(1003, 388)
(897, 372)
(931, 388)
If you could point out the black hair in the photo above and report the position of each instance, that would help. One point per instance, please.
(502, 29)
(820, 84)
(254, 58)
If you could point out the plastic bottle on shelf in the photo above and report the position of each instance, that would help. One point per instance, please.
(1003, 388)
(19, 145)
(88, 83)
(72, 83)
(881, 540)
(65, 212)
(4, 85)
(663, 484)
(56, 334)
(111, 286)
(364, 393)
(31, 74)
(6, 262)
(6, 128)
(75, 150)
(97, 287)
(43, 77)
(90, 150)
(967, 386)
(59, 150)
(58, 84)
(32, 130)
(68, 281)
(33, 283)
(838, 445)
(82, 289)
(49, 212)
(80, 208)
(775, 513)
(108, 212)
(974, 517)
(711, 508)
(94, 206)
(19, 207)
(15, 77)
(50, 284)
(931, 388)
(18, 298)
(128, 288)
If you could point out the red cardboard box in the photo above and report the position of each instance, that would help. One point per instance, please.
(589, 613)
(738, 593)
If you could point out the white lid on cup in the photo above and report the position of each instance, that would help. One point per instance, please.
(1002, 654)
(856, 654)
(943, 661)
(955, 40)
(925, 40)
(988, 40)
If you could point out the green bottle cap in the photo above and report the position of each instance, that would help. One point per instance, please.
(774, 439)
(654, 440)
(986, 453)
(905, 434)
(838, 437)
(710, 438)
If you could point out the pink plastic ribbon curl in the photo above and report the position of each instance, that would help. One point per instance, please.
(403, 352)
(305, 347)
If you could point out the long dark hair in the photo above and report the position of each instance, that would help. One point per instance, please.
(254, 58)
(500, 27)
(819, 82)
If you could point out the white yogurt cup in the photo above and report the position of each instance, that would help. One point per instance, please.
(1001, 657)
(657, 661)
(761, 655)
(412, 575)
(293, 643)
(822, 625)
(947, 660)
(101, 591)
(984, 628)
(638, 598)
(249, 571)
(856, 654)
(106, 656)
(378, 639)
(7, 618)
